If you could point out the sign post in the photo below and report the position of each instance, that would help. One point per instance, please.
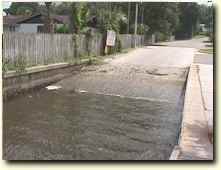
(110, 41)
(111, 36)
(135, 28)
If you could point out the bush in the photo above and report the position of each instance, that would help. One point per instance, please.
(203, 33)
(5, 65)
(161, 36)
(118, 44)
(62, 29)
(20, 64)
(211, 37)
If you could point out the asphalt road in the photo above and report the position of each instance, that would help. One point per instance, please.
(197, 44)
(127, 109)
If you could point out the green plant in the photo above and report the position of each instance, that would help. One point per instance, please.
(65, 58)
(75, 41)
(208, 50)
(161, 36)
(90, 61)
(62, 29)
(118, 44)
(211, 37)
(5, 65)
(88, 36)
(20, 64)
(79, 15)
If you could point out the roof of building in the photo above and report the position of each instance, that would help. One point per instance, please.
(17, 19)
(65, 19)
(12, 19)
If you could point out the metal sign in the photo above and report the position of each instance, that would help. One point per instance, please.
(111, 36)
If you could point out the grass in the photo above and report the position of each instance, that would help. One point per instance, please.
(199, 36)
(207, 50)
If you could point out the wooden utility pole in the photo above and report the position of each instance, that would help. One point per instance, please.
(110, 11)
(142, 13)
(49, 24)
(135, 27)
(128, 18)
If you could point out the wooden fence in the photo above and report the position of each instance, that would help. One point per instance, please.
(40, 49)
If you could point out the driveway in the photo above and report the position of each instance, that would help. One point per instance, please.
(126, 109)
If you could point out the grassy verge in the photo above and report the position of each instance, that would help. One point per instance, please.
(199, 36)
(207, 50)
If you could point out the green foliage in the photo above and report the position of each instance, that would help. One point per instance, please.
(20, 64)
(79, 16)
(206, 15)
(161, 36)
(24, 11)
(20, 8)
(118, 45)
(62, 29)
(211, 37)
(6, 65)
(90, 61)
(110, 20)
(141, 28)
(62, 8)
(161, 17)
(189, 14)
(207, 50)
(88, 35)
(94, 60)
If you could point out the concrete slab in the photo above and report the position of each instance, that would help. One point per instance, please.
(206, 82)
(194, 140)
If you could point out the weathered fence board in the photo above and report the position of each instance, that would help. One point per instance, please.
(40, 49)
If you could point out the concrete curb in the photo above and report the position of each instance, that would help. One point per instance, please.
(34, 77)
(193, 143)
(35, 69)
(177, 149)
(175, 153)
(206, 109)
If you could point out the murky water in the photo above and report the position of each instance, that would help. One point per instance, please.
(126, 112)
(63, 125)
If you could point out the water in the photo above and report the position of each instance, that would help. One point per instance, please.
(109, 112)
(64, 125)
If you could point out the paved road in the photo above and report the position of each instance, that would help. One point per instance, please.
(128, 108)
(158, 56)
(197, 44)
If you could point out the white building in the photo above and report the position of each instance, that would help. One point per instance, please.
(31, 24)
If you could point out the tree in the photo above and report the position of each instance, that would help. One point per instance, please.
(110, 17)
(79, 16)
(205, 15)
(188, 16)
(161, 17)
(48, 21)
(62, 8)
(20, 8)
